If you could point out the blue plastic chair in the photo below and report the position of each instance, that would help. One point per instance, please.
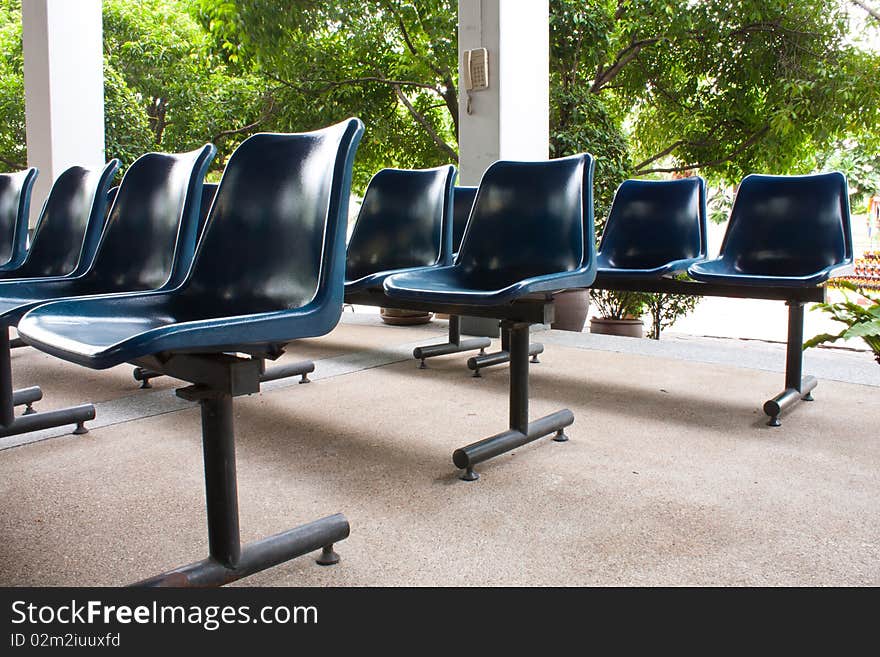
(655, 228)
(403, 223)
(530, 234)
(15, 205)
(71, 221)
(784, 231)
(269, 269)
(526, 234)
(147, 244)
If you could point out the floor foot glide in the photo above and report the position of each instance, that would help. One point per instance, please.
(328, 556)
(469, 475)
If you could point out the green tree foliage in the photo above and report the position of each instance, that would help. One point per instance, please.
(159, 61)
(13, 154)
(163, 87)
(390, 62)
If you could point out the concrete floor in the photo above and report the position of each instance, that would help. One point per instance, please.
(670, 476)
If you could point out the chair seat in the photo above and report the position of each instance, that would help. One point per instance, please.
(18, 297)
(451, 285)
(102, 332)
(724, 272)
(376, 280)
(604, 270)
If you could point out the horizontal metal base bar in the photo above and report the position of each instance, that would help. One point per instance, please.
(26, 396)
(530, 310)
(483, 450)
(16, 343)
(301, 368)
(144, 375)
(477, 363)
(696, 288)
(773, 408)
(259, 555)
(446, 348)
(48, 419)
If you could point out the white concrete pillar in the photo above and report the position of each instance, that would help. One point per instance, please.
(64, 88)
(511, 119)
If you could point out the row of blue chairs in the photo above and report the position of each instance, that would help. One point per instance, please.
(209, 295)
(786, 236)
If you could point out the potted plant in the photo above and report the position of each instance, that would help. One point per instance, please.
(619, 313)
(572, 307)
(862, 321)
(665, 309)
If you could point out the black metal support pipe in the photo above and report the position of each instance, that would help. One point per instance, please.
(7, 407)
(221, 489)
(518, 339)
(301, 369)
(454, 345)
(520, 430)
(27, 396)
(467, 457)
(10, 425)
(77, 415)
(144, 375)
(260, 555)
(797, 386)
(17, 343)
(454, 329)
(477, 363)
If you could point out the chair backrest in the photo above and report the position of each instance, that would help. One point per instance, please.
(789, 225)
(111, 196)
(654, 223)
(403, 222)
(462, 202)
(530, 219)
(275, 236)
(150, 235)
(209, 191)
(15, 205)
(67, 233)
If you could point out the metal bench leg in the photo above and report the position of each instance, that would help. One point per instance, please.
(229, 560)
(521, 431)
(454, 345)
(10, 425)
(797, 387)
(476, 363)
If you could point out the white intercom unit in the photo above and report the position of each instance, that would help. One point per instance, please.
(476, 69)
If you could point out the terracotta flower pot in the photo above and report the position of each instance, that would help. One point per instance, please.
(630, 328)
(571, 310)
(404, 317)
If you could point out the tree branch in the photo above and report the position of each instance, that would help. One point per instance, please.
(755, 137)
(11, 163)
(624, 57)
(663, 153)
(446, 148)
(868, 8)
